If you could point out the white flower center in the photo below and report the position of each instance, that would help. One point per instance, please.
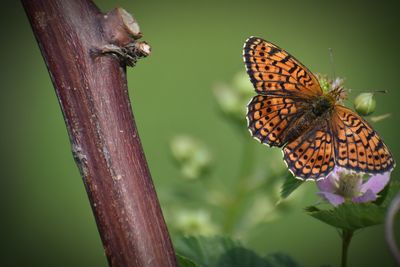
(349, 184)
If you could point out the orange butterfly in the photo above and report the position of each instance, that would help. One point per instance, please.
(315, 131)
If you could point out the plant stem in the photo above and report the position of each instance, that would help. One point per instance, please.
(240, 188)
(393, 209)
(247, 162)
(346, 238)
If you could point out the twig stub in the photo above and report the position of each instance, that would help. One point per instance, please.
(123, 31)
(128, 54)
(120, 27)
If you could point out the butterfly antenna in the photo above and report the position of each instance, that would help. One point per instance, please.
(332, 62)
(372, 91)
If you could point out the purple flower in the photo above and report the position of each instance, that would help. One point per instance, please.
(342, 184)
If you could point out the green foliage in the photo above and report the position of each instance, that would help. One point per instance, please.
(193, 157)
(354, 216)
(185, 262)
(388, 193)
(232, 98)
(350, 216)
(249, 198)
(281, 260)
(224, 252)
(290, 185)
(205, 251)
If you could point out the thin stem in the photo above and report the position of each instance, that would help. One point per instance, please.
(346, 239)
(240, 189)
(247, 162)
(389, 228)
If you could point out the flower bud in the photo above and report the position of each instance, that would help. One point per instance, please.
(182, 147)
(365, 104)
(242, 84)
(233, 98)
(230, 101)
(193, 157)
(195, 222)
(190, 171)
(324, 82)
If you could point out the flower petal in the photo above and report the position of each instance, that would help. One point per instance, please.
(376, 183)
(366, 197)
(334, 199)
(329, 183)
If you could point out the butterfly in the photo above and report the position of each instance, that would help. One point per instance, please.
(314, 130)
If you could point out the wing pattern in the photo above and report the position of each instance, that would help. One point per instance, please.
(269, 117)
(273, 71)
(357, 145)
(311, 156)
(282, 115)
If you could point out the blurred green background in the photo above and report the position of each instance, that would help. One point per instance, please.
(46, 219)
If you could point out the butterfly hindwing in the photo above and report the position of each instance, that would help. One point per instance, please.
(269, 118)
(311, 156)
(274, 71)
(357, 145)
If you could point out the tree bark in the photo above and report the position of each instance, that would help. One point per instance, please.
(86, 52)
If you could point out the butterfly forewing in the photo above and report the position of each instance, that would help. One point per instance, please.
(357, 145)
(273, 71)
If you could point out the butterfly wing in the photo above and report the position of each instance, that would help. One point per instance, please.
(357, 145)
(311, 156)
(273, 71)
(269, 117)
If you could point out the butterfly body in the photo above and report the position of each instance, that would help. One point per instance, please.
(322, 105)
(315, 131)
(312, 116)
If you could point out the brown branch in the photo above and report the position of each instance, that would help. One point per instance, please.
(85, 52)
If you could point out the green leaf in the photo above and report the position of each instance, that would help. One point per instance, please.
(205, 251)
(388, 193)
(239, 256)
(185, 262)
(310, 209)
(224, 252)
(350, 216)
(281, 260)
(290, 184)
